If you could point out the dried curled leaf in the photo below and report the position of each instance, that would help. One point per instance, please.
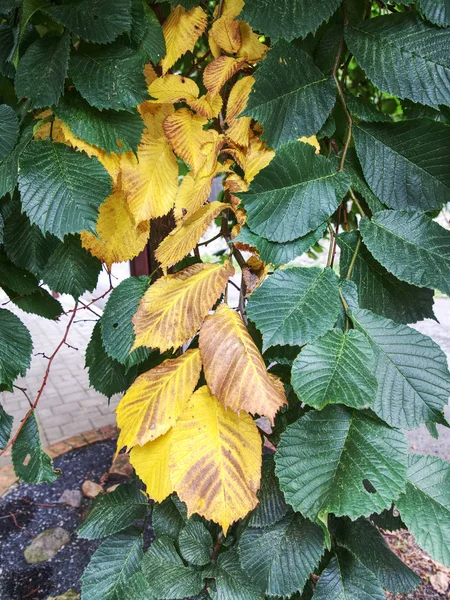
(186, 236)
(173, 308)
(215, 460)
(234, 368)
(181, 30)
(156, 399)
(120, 238)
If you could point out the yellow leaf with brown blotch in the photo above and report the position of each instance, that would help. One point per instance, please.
(121, 239)
(215, 460)
(226, 34)
(254, 274)
(150, 181)
(219, 71)
(173, 308)
(186, 135)
(251, 48)
(156, 399)
(238, 98)
(181, 30)
(173, 88)
(151, 463)
(207, 105)
(234, 368)
(186, 236)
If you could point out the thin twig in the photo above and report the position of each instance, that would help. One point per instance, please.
(217, 546)
(354, 257)
(210, 240)
(342, 101)
(24, 392)
(357, 202)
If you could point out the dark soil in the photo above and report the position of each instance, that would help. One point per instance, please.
(29, 509)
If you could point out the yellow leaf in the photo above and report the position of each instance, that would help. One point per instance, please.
(181, 30)
(156, 399)
(238, 98)
(239, 131)
(151, 463)
(185, 132)
(226, 34)
(231, 8)
(44, 130)
(120, 238)
(234, 368)
(219, 71)
(257, 157)
(111, 161)
(235, 184)
(313, 141)
(215, 460)
(150, 74)
(251, 48)
(213, 46)
(154, 115)
(173, 308)
(150, 181)
(186, 236)
(173, 88)
(207, 105)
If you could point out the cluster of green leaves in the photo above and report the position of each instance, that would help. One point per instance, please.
(373, 86)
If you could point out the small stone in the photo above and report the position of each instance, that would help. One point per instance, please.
(91, 489)
(69, 595)
(46, 545)
(121, 467)
(112, 488)
(71, 498)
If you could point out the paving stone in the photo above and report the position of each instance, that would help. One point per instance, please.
(91, 489)
(71, 498)
(46, 545)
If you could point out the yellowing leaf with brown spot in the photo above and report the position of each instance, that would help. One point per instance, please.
(181, 30)
(186, 236)
(151, 463)
(156, 399)
(251, 48)
(173, 308)
(257, 157)
(120, 238)
(235, 184)
(219, 71)
(111, 161)
(186, 135)
(150, 181)
(226, 34)
(237, 101)
(207, 105)
(215, 460)
(312, 141)
(254, 274)
(234, 368)
(173, 88)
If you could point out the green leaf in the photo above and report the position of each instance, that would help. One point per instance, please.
(39, 302)
(291, 97)
(112, 512)
(364, 111)
(25, 244)
(280, 558)
(275, 253)
(367, 544)
(405, 162)
(15, 348)
(106, 375)
(116, 560)
(412, 372)
(327, 461)
(389, 520)
(6, 422)
(112, 130)
(294, 194)
(134, 587)
(9, 168)
(345, 578)
(61, 189)
(6, 47)
(42, 71)
(425, 505)
(117, 327)
(404, 56)
(195, 543)
(147, 32)
(71, 269)
(99, 21)
(379, 290)
(272, 506)
(31, 463)
(410, 246)
(169, 517)
(109, 76)
(166, 574)
(436, 11)
(295, 306)
(287, 19)
(9, 130)
(336, 369)
(15, 278)
(186, 4)
(232, 582)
